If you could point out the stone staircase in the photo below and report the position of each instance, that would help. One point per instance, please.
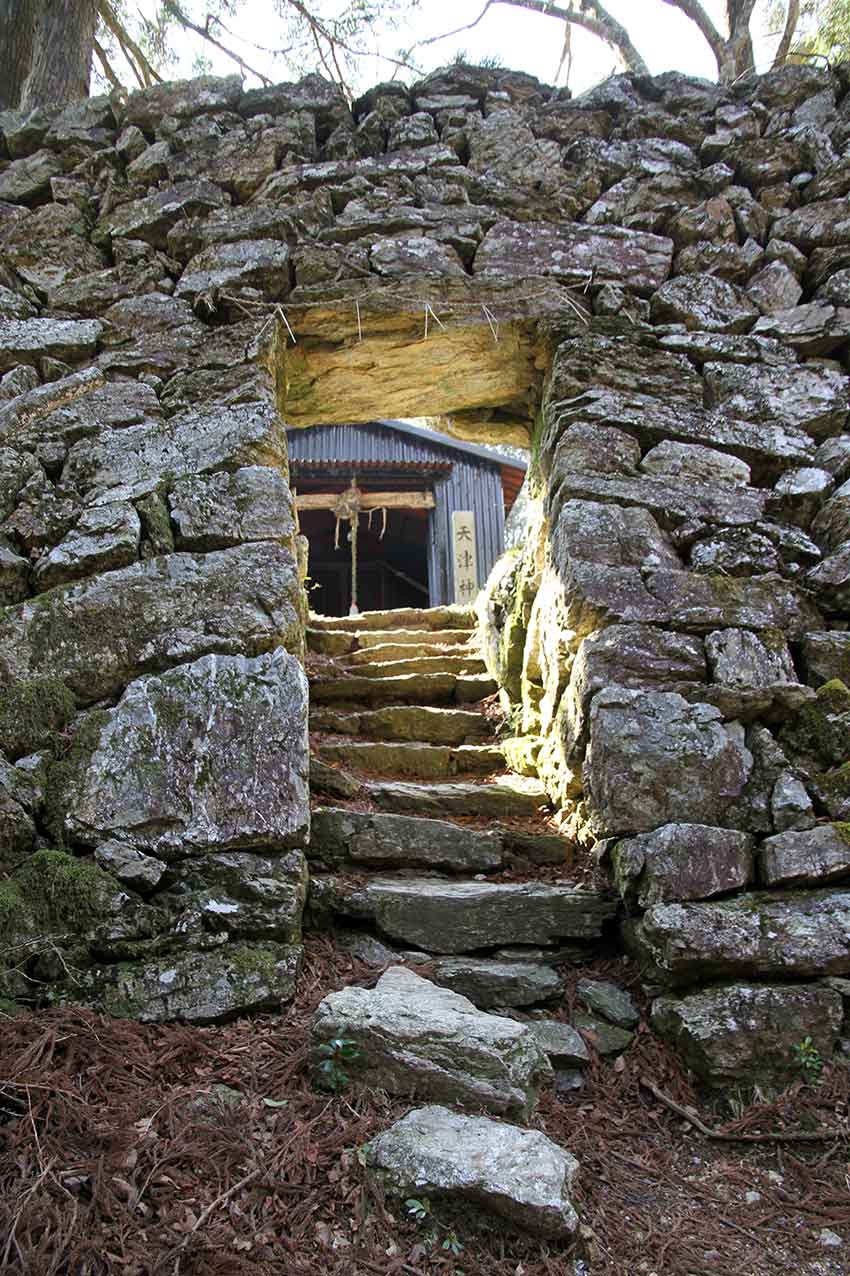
(432, 850)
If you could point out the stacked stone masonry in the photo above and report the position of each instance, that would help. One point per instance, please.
(651, 285)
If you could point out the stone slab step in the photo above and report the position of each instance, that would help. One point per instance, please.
(418, 688)
(499, 983)
(425, 761)
(452, 617)
(444, 916)
(384, 652)
(407, 722)
(337, 642)
(510, 797)
(369, 838)
(471, 664)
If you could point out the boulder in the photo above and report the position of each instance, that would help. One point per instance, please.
(748, 1034)
(415, 1039)
(799, 934)
(826, 655)
(740, 658)
(211, 755)
(704, 302)
(181, 100)
(608, 1000)
(697, 765)
(473, 1163)
(196, 987)
(499, 983)
(100, 633)
(805, 857)
(682, 862)
(213, 511)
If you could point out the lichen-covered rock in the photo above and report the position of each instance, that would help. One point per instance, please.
(802, 935)
(697, 764)
(29, 340)
(820, 854)
(570, 252)
(499, 983)
(739, 658)
(196, 987)
(100, 633)
(462, 917)
(413, 1038)
(130, 866)
(692, 461)
(826, 655)
(814, 398)
(259, 264)
(151, 218)
(747, 1034)
(705, 303)
(339, 834)
(474, 1163)
(608, 1000)
(209, 756)
(682, 862)
(226, 508)
(105, 537)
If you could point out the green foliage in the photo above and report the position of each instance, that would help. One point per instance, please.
(809, 1059)
(335, 1055)
(421, 1211)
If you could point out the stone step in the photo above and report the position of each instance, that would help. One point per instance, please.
(510, 797)
(443, 916)
(337, 642)
(452, 617)
(383, 652)
(406, 722)
(471, 664)
(425, 761)
(371, 838)
(416, 688)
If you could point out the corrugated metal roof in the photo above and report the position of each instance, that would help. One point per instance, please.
(383, 441)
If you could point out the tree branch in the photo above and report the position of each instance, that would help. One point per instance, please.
(693, 9)
(791, 20)
(141, 67)
(106, 66)
(205, 34)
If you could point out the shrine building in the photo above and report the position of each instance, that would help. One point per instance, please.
(428, 513)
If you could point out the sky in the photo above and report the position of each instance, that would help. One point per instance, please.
(517, 39)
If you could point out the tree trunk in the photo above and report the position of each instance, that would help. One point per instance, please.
(61, 61)
(17, 38)
(740, 58)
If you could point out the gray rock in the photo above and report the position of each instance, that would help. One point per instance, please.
(100, 633)
(698, 766)
(605, 1038)
(790, 804)
(704, 302)
(818, 225)
(815, 399)
(736, 552)
(806, 857)
(799, 493)
(217, 510)
(130, 866)
(150, 219)
(337, 835)
(419, 1040)
(462, 917)
(14, 576)
(831, 528)
(197, 987)
(625, 363)
(475, 1163)
(681, 862)
(826, 656)
(692, 461)
(801, 935)
(105, 537)
(668, 500)
(211, 755)
(499, 983)
(739, 658)
(414, 255)
(774, 288)
(570, 252)
(560, 1042)
(29, 340)
(746, 1034)
(831, 582)
(259, 264)
(814, 328)
(610, 1001)
(508, 797)
(27, 180)
(836, 290)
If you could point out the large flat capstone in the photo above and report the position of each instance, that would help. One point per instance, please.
(413, 1038)
(366, 837)
(461, 917)
(518, 1175)
(209, 756)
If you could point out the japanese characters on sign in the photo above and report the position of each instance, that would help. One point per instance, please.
(464, 556)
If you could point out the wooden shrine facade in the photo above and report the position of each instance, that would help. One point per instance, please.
(429, 513)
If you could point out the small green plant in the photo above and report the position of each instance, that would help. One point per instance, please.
(421, 1211)
(335, 1056)
(809, 1059)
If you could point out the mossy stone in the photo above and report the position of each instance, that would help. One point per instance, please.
(31, 713)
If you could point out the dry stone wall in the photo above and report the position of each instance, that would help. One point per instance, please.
(652, 284)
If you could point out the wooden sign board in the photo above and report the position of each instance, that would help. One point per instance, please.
(464, 556)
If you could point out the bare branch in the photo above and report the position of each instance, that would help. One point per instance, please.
(139, 64)
(791, 20)
(206, 34)
(106, 66)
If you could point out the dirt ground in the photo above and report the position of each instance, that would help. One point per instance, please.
(118, 1155)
